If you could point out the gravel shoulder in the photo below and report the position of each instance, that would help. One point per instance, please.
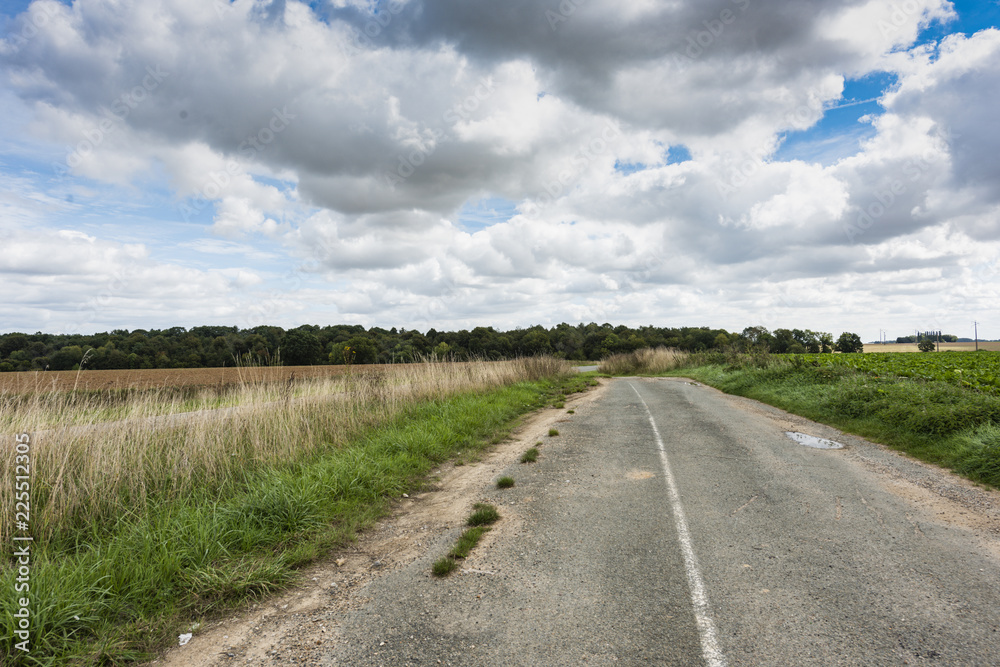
(852, 556)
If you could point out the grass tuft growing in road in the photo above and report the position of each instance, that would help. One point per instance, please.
(469, 539)
(530, 456)
(483, 516)
(443, 566)
(505, 482)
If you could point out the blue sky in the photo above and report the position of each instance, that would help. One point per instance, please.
(446, 166)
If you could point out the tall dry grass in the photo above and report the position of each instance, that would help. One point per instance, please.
(98, 457)
(644, 361)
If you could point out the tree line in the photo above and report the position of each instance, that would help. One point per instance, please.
(215, 346)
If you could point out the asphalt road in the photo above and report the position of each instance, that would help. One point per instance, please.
(670, 524)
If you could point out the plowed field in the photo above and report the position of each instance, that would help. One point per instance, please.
(162, 377)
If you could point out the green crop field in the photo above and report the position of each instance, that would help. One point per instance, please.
(978, 371)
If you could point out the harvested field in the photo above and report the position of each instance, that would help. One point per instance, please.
(154, 378)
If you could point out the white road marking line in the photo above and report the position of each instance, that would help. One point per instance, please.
(699, 598)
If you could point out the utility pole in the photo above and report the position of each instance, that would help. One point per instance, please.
(938, 341)
(976, 325)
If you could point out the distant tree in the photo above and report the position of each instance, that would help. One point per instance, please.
(13, 342)
(809, 340)
(300, 348)
(783, 340)
(66, 358)
(926, 345)
(756, 337)
(216, 345)
(537, 342)
(826, 342)
(357, 350)
(849, 342)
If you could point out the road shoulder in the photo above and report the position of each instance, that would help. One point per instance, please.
(290, 626)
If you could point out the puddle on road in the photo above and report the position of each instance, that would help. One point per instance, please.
(813, 441)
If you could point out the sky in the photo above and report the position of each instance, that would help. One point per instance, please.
(817, 164)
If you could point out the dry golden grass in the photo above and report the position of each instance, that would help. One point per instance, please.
(647, 360)
(94, 454)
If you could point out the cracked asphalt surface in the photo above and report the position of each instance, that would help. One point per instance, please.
(856, 556)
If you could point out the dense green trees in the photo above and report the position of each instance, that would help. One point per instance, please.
(850, 342)
(202, 346)
(356, 350)
(301, 347)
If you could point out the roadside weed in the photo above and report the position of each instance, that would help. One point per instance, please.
(483, 515)
(479, 521)
(443, 566)
(469, 539)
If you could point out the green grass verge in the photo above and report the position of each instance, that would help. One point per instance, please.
(118, 593)
(935, 421)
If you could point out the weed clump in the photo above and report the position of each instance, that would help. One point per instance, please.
(479, 521)
(443, 566)
(505, 482)
(483, 515)
(530, 456)
(469, 539)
